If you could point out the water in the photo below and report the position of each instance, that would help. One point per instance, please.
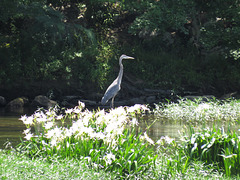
(161, 127)
(11, 127)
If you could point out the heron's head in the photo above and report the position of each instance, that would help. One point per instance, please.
(126, 57)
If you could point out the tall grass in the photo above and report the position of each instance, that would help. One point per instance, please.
(199, 110)
(215, 146)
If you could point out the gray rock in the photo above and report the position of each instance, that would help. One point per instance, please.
(203, 98)
(2, 101)
(136, 101)
(70, 98)
(227, 96)
(151, 99)
(43, 101)
(119, 103)
(17, 103)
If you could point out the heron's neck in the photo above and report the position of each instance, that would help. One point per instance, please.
(120, 72)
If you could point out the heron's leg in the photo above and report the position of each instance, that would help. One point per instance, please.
(112, 104)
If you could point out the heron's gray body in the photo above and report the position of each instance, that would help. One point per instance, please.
(113, 89)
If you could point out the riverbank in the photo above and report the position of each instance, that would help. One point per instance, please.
(49, 93)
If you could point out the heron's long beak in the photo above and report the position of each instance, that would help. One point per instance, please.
(128, 57)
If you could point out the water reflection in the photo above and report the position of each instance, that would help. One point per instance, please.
(10, 127)
(10, 130)
(161, 127)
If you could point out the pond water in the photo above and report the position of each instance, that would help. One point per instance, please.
(11, 127)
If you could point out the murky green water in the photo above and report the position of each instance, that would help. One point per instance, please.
(11, 127)
(10, 130)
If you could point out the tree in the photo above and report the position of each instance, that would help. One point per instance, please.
(37, 42)
(209, 26)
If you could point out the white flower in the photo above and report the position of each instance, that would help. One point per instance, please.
(134, 122)
(26, 131)
(77, 111)
(41, 119)
(148, 139)
(109, 158)
(98, 135)
(28, 136)
(38, 114)
(118, 111)
(137, 107)
(110, 128)
(202, 107)
(56, 132)
(27, 120)
(59, 117)
(49, 125)
(81, 104)
(69, 111)
(87, 130)
(165, 139)
(86, 119)
(53, 142)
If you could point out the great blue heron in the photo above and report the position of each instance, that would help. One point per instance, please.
(113, 89)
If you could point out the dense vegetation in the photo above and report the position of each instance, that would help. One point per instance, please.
(179, 45)
(74, 143)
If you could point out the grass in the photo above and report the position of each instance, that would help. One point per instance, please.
(15, 166)
(81, 144)
(216, 146)
(199, 111)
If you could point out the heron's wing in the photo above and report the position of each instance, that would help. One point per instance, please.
(111, 91)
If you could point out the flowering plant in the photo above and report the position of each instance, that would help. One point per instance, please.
(105, 139)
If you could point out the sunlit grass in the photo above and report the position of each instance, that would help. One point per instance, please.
(199, 110)
(218, 146)
(15, 166)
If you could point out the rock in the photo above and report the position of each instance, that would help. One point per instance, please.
(17, 103)
(158, 91)
(67, 104)
(203, 98)
(136, 101)
(43, 101)
(151, 99)
(70, 98)
(2, 101)
(129, 102)
(227, 96)
(118, 103)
